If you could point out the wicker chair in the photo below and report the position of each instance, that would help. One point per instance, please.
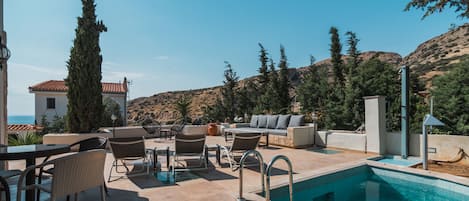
(4, 176)
(242, 142)
(129, 149)
(83, 145)
(72, 174)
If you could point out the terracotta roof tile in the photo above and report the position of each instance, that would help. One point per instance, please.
(21, 127)
(59, 86)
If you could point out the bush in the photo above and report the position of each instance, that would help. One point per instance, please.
(26, 139)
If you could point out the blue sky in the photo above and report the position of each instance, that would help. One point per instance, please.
(165, 45)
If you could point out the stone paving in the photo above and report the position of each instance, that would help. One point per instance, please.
(216, 183)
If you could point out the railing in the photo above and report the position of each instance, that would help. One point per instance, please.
(241, 164)
(269, 170)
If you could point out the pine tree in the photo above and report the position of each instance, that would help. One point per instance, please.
(263, 103)
(85, 108)
(247, 98)
(272, 90)
(183, 107)
(312, 92)
(336, 58)
(451, 98)
(229, 91)
(353, 92)
(284, 83)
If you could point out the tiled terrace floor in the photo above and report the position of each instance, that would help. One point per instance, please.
(217, 183)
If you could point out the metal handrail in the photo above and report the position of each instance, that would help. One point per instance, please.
(241, 164)
(290, 174)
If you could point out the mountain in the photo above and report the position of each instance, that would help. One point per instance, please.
(433, 57)
(429, 59)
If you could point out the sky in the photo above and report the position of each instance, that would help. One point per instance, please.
(167, 45)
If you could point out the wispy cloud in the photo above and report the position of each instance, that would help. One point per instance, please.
(38, 69)
(114, 76)
(162, 58)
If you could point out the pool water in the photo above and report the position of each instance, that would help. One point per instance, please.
(369, 183)
(325, 151)
(397, 160)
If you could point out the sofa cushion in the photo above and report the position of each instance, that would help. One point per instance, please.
(281, 132)
(261, 121)
(272, 121)
(282, 122)
(253, 123)
(296, 120)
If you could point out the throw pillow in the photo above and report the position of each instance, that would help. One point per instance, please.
(262, 121)
(282, 122)
(272, 121)
(296, 120)
(253, 123)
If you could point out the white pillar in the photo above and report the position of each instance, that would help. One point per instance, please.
(375, 124)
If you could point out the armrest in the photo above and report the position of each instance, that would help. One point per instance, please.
(240, 125)
(301, 135)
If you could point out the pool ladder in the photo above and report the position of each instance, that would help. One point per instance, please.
(268, 170)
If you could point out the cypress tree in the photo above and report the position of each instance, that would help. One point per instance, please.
(284, 83)
(229, 92)
(85, 108)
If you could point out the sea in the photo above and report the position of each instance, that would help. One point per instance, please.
(21, 119)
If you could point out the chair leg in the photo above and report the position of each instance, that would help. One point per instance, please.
(6, 187)
(110, 171)
(103, 189)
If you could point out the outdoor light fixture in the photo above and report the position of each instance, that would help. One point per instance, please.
(113, 118)
(4, 53)
(429, 120)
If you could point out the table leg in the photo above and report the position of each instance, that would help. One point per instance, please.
(167, 157)
(155, 159)
(30, 179)
(267, 140)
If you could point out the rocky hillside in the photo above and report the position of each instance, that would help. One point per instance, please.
(161, 106)
(434, 56)
(429, 59)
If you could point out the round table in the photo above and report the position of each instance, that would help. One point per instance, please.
(30, 153)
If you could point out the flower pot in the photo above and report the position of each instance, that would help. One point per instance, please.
(212, 129)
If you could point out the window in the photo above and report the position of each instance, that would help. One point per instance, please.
(50, 103)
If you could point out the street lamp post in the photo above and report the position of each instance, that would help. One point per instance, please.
(113, 118)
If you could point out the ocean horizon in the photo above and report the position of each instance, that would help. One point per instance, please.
(21, 119)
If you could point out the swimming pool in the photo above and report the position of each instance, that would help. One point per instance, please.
(372, 183)
(397, 160)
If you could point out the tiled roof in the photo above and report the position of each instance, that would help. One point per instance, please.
(22, 127)
(59, 86)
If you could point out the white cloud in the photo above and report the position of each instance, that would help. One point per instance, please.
(162, 58)
(38, 69)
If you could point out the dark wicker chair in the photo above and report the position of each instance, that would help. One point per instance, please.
(4, 176)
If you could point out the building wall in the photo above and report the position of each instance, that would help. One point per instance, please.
(40, 101)
(61, 102)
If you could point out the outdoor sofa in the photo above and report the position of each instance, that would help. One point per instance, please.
(284, 130)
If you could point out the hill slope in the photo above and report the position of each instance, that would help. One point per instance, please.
(429, 59)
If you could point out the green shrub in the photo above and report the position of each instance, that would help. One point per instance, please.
(26, 139)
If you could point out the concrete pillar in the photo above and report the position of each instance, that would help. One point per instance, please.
(3, 87)
(375, 124)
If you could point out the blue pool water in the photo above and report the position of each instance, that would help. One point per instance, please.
(369, 183)
(397, 160)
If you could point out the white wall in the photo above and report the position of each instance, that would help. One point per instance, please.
(41, 105)
(341, 139)
(61, 102)
(393, 144)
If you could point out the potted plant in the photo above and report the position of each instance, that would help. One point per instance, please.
(212, 129)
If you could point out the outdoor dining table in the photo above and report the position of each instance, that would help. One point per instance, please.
(30, 153)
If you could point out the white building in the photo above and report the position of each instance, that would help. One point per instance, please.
(51, 98)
